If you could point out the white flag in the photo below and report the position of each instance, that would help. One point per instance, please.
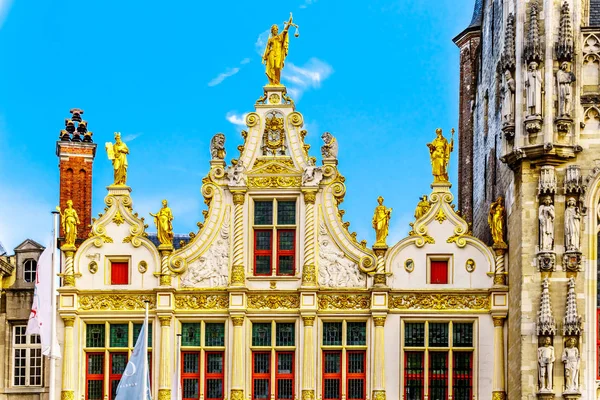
(43, 301)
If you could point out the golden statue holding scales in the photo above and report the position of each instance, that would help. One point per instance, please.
(276, 51)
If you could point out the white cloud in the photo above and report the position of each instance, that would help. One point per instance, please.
(261, 42)
(245, 61)
(131, 137)
(307, 3)
(223, 75)
(236, 119)
(309, 76)
(4, 8)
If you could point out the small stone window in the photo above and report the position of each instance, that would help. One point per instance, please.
(29, 270)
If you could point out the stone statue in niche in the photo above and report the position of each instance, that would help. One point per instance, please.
(235, 173)
(572, 225)
(546, 364)
(312, 174)
(335, 270)
(571, 359)
(508, 99)
(211, 269)
(217, 147)
(330, 148)
(546, 218)
(564, 79)
(533, 85)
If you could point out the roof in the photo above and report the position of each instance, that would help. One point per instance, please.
(177, 239)
(475, 24)
(29, 244)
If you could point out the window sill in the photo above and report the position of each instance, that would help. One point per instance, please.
(25, 389)
(273, 277)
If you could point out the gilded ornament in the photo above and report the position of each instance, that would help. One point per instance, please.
(309, 275)
(115, 302)
(273, 139)
(287, 98)
(69, 221)
(201, 301)
(273, 302)
(498, 320)
(93, 267)
(142, 267)
(440, 216)
(101, 239)
(409, 265)
(165, 320)
(274, 181)
(164, 224)
(164, 394)
(273, 284)
(308, 320)
(118, 218)
(67, 395)
(165, 280)
(470, 265)
(379, 321)
(379, 279)
(238, 276)
(237, 321)
(381, 222)
(496, 219)
(308, 394)
(283, 161)
(310, 196)
(69, 280)
(438, 301)
(378, 395)
(497, 395)
(344, 301)
(439, 152)
(295, 119)
(274, 98)
(276, 51)
(423, 207)
(239, 198)
(68, 321)
(252, 119)
(117, 153)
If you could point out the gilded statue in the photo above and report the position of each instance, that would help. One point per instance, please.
(164, 226)
(381, 222)
(496, 221)
(439, 151)
(117, 153)
(422, 206)
(69, 222)
(276, 51)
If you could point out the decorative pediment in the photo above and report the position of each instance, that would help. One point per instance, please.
(274, 165)
(28, 245)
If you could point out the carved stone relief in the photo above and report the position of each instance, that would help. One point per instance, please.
(335, 270)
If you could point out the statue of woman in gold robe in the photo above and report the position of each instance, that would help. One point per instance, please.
(439, 151)
(117, 153)
(69, 222)
(381, 222)
(496, 221)
(164, 226)
(276, 51)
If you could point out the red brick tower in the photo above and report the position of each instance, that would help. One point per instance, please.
(76, 151)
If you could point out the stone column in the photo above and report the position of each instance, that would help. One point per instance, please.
(498, 385)
(379, 359)
(379, 277)
(69, 271)
(165, 273)
(308, 363)
(68, 372)
(164, 376)
(237, 359)
(500, 269)
(238, 274)
(309, 276)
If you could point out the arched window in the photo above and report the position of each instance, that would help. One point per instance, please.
(29, 270)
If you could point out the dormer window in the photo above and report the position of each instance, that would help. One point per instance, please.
(29, 270)
(275, 237)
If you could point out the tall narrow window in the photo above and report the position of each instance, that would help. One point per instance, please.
(203, 341)
(119, 273)
(434, 352)
(27, 358)
(274, 237)
(344, 360)
(29, 270)
(273, 341)
(110, 344)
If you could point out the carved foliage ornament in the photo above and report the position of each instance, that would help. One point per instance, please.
(115, 302)
(344, 301)
(273, 302)
(201, 302)
(436, 301)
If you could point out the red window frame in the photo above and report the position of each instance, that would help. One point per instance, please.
(279, 376)
(438, 272)
(214, 375)
(357, 376)
(469, 376)
(93, 377)
(190, 375)
(119, 273)
(332, 375)
(415, 377)
(291, 252)
(115, 377)
(261, 376)
(444, 376)
(268, 252)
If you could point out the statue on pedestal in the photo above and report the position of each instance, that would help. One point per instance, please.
(422, 207)
(330, 146)
(546, 218)
(508, 99)
(546, 363)
(276, 51)
(381, 222)
(571, 359)
(572, 225)
(69, 222)
(312, 175)
(533, 84)
(496, 221)
(235, 173)
(217, 147)
(439, 152)
(164, 227)
(564, 78)
(117, 153)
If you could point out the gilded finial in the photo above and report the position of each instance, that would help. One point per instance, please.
(381, 222)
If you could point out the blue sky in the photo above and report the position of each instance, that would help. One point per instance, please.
(379, 75)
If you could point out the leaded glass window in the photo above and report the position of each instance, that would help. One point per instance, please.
(214, 334)
(190, 334)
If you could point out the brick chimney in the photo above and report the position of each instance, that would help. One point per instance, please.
(76, 151)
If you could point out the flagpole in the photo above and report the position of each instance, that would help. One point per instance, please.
(145, 379)
(55, 261)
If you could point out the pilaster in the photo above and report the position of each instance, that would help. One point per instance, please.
(308, 363)
(68, 364)
(379, 358)
(164, 377)
(498, 380)
(238, 273)
(237, 359)
(309, 273)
